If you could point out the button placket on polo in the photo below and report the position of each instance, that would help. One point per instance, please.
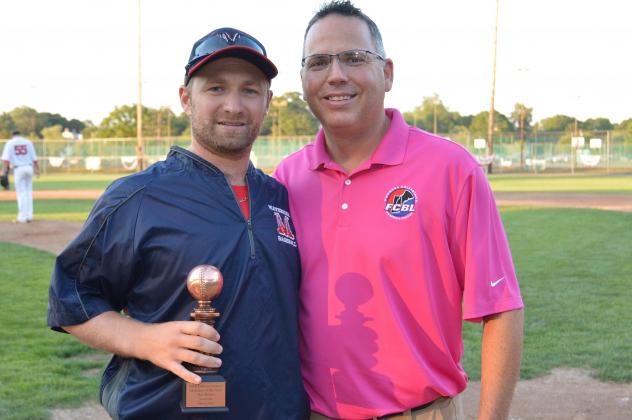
(345, 205)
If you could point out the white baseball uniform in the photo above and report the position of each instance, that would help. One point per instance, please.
(20, 153)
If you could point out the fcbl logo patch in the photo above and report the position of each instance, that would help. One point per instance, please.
(400, 202)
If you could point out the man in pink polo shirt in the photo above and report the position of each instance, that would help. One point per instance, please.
(400, 240)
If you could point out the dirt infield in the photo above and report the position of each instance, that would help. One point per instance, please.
(563, 394)
(56, 194)
(49, 235)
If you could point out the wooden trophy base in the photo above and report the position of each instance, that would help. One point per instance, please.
(207, 397)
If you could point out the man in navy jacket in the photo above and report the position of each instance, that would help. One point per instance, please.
(120, 285)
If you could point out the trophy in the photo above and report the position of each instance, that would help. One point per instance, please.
(205, 284)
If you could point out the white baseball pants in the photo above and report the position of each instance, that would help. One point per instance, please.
(23, 180)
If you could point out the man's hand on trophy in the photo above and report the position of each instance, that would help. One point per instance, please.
(169, 344)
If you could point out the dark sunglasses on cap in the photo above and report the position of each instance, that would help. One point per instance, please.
(228, 42)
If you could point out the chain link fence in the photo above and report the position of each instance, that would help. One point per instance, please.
(599, 151)
(595, 151)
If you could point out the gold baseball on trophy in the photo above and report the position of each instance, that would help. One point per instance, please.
(204, 283)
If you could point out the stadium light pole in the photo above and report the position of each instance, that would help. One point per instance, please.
(490, 119)
(435, 98)
(279, 102)
(139, 108)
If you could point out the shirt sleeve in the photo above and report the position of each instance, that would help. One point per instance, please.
(481, 253)
(96, 272)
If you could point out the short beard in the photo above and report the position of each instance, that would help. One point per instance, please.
(206, 135)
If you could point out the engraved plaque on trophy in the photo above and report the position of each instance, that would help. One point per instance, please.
(205, 284)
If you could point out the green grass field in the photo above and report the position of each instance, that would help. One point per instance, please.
(573, 266)
(39, 368)
(69, 210)
(574, 269)
(499, 182)
(74, 181)
(563, 183)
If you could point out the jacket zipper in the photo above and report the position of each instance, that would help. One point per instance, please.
(252, 239)
(251, 236)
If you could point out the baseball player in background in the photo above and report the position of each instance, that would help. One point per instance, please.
(19, 154)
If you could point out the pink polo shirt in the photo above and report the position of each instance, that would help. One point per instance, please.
(394, 256)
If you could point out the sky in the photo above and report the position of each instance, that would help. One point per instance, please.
(79, 58)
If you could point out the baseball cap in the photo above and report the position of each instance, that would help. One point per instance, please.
(228, 42)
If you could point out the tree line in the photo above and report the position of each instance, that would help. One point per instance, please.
(432, 115)
(289, 115)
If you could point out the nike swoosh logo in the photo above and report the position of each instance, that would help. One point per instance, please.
(495, 283)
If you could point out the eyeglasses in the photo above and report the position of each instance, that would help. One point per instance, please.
(351, 58)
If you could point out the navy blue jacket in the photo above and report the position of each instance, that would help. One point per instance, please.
(142, 238)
